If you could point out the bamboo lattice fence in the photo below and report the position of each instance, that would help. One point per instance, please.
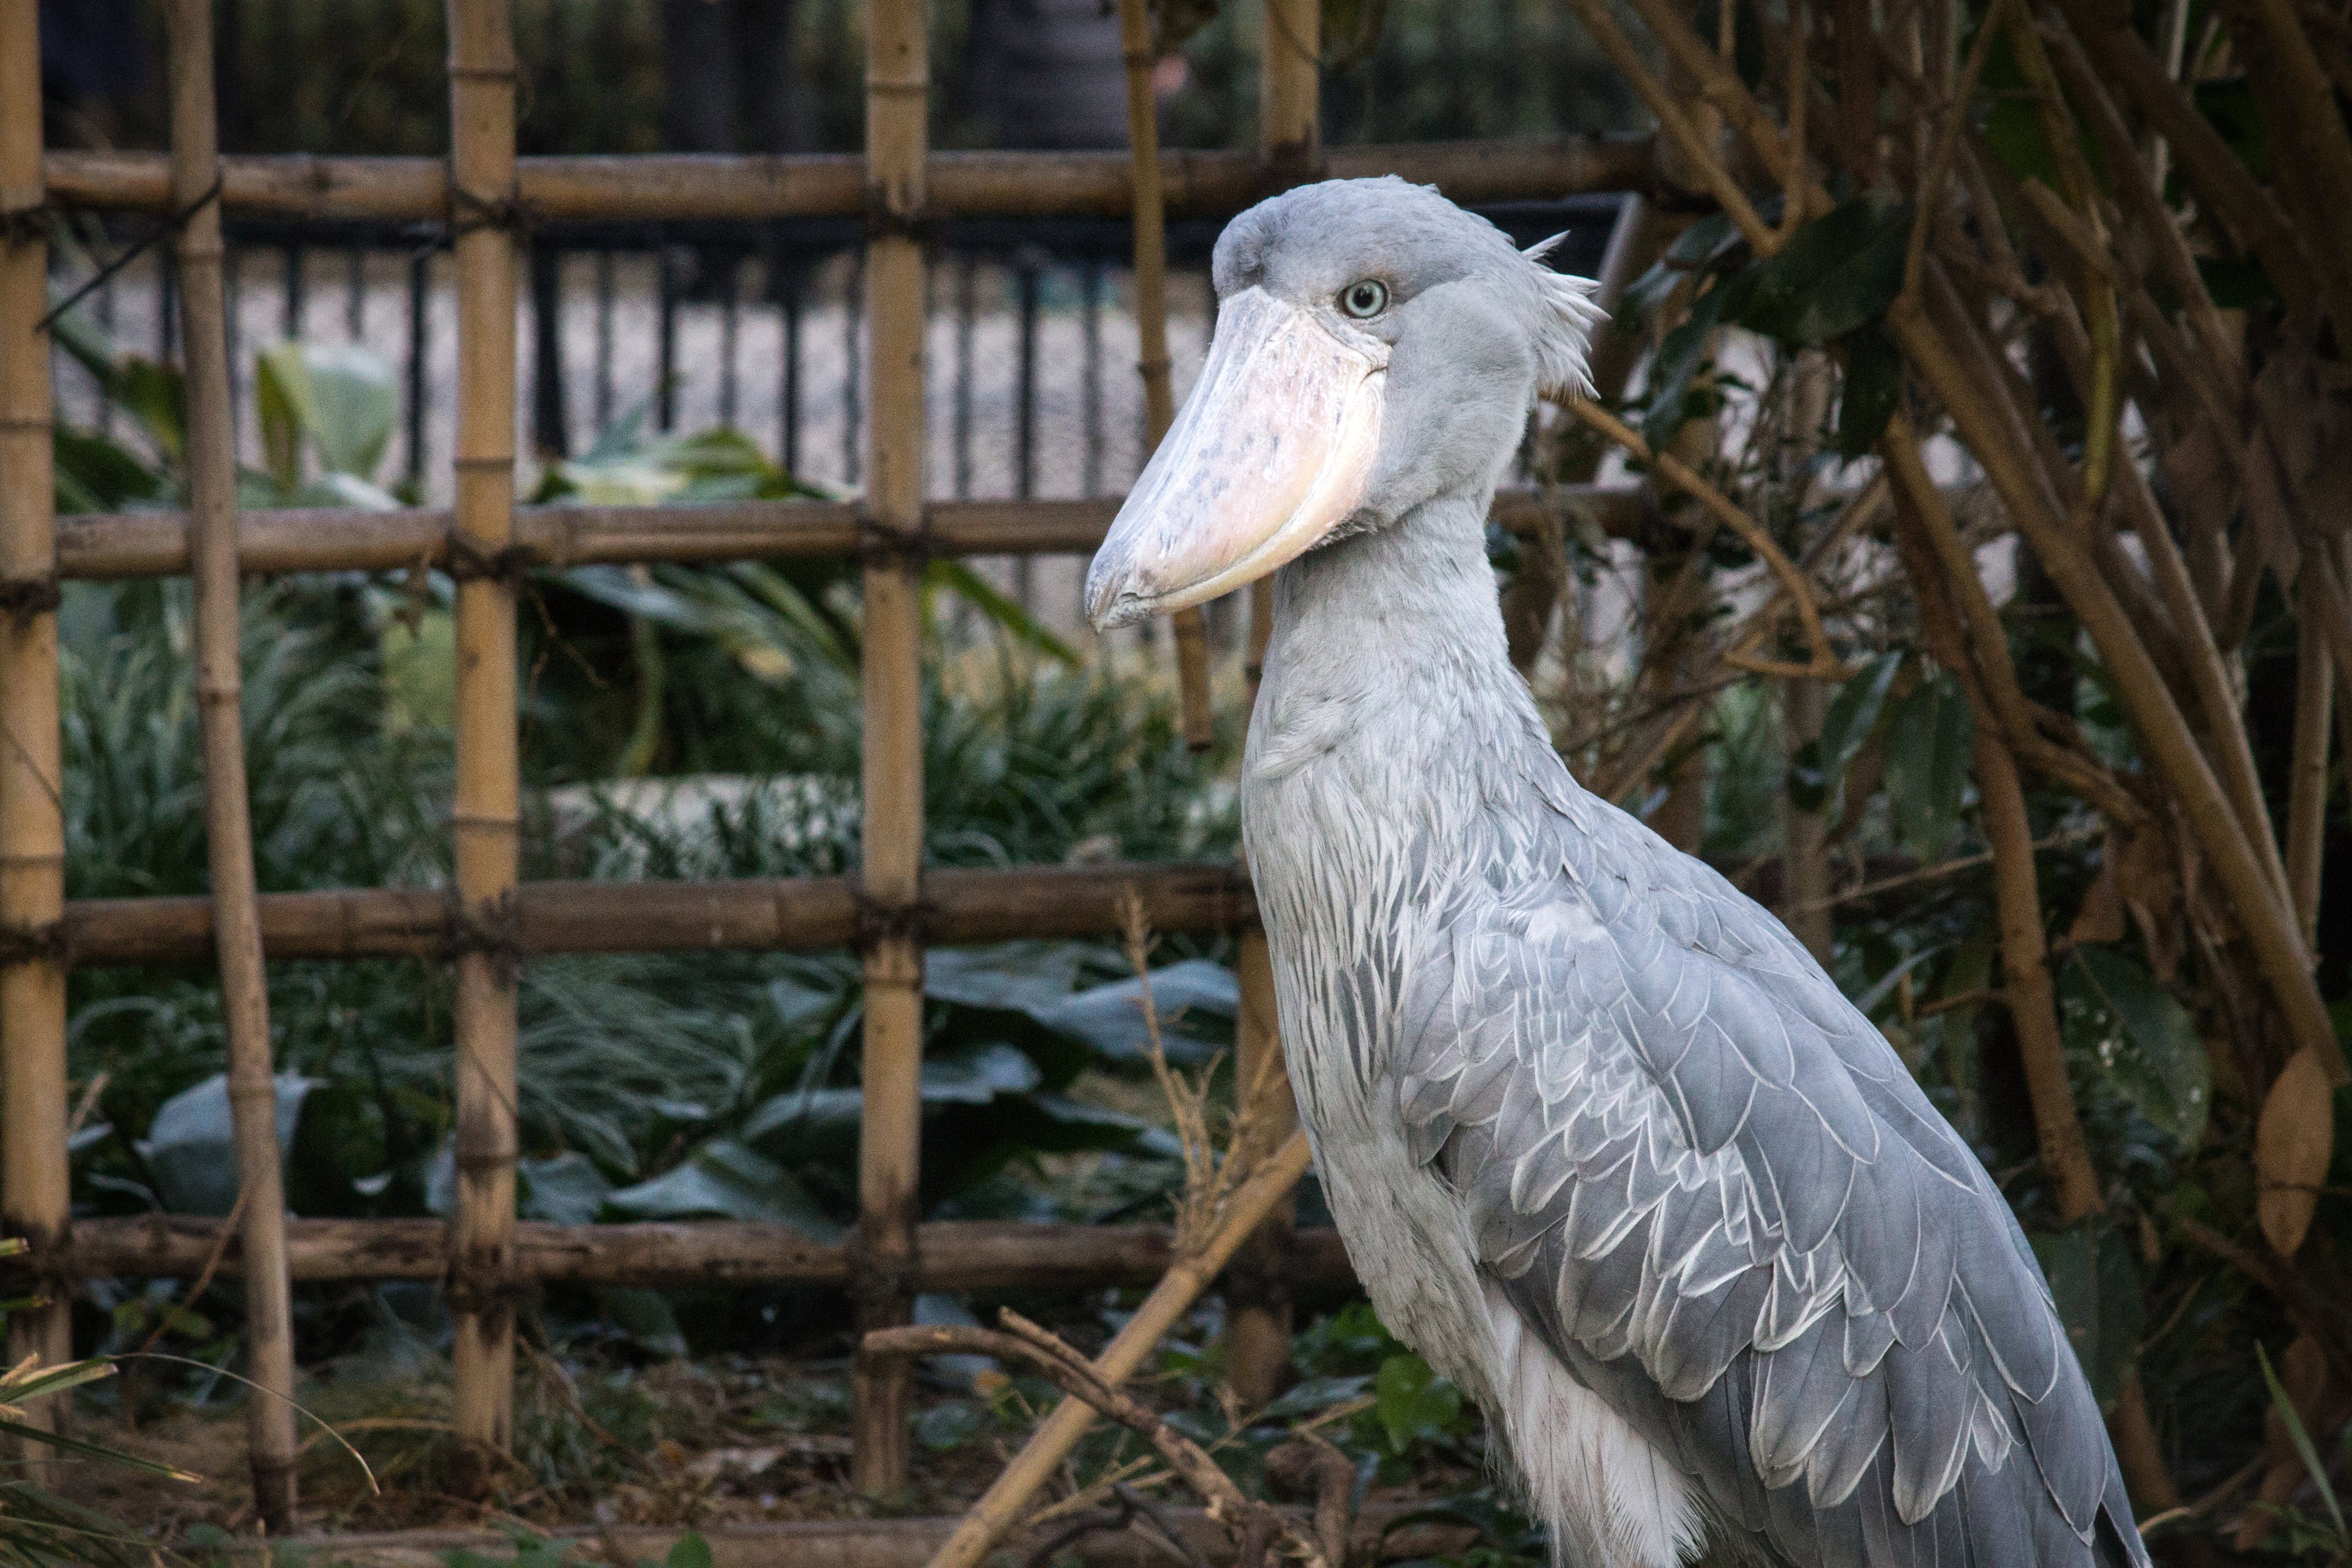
(488, 922)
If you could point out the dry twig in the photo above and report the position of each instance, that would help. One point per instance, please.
(1251, 1523)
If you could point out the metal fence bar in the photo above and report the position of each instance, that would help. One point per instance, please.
(550, 432)
(604, 340)
(666, 339)
(787, 288)
(420, 302)
(967, 284)
(853, 391)
(730, 314)
(290, 321)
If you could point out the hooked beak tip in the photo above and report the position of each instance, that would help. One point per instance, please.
(1112, 601)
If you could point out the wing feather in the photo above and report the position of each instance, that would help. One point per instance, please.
(1708, 1187)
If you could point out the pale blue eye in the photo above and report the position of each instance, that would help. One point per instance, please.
(1364, 298)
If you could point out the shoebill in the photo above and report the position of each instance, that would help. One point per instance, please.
(1606, 1145)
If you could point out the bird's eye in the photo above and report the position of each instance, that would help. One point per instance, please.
(1364, 298)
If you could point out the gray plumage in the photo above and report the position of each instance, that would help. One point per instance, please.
(1604, 1142)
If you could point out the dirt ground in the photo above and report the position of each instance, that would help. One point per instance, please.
(677, 1444)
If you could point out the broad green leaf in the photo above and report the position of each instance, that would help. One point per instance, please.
(157, 396)
(191, 1146)
(1413, 1404)
(281, 396)
(1853, 713)
(1846, 728)
(944, 1428)
(1869, 389)
(94, 474)
(691, 1552)
(1927, 746)
(2166, 1073)
(353, 403)
(2095, 1284)
(1680, 354)
(725, 1180)
(1836, 273)
(562, 1189)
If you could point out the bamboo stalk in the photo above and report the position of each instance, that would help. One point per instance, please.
(1257, 1293)
(2222, 183)
(897, 81)
(1986, 422)
(999, 1510)
(2306, 814)
(1151, 334)
(488, 807)
(2155, 715)
(34, 1196)
(955, 1254)
(228, 826)
(654, 187)
(789, 915)
(1258, 1318)
(2030, 1000)
(108, 546)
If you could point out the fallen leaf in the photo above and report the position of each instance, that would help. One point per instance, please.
(2292, 1142)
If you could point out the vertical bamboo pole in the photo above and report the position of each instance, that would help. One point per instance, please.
(1258, 1318)
(1151, 359)
(897, 83)
(245, 996)
(482, 213)
(33, 1181)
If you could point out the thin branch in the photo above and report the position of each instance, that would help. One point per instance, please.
(1947, 143)
(1825, 664)
(1677, 124)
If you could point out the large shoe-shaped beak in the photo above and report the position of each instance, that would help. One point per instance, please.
(1272, 452)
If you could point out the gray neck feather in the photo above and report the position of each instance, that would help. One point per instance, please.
(1396, 763)
(1388, 673)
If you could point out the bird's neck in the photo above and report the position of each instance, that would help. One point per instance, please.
(1388, 681)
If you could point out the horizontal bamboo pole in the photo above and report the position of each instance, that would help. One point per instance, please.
(955, 1254)
(786, 914)
(961, 185)
(99, 546)
(793, 914)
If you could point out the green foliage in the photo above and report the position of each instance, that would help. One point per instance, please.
(1831, 283)
(39, 1529)
(1928, 740)
(2144, 1039)
(1848, 724)
(1413, 1404)
(2096, 1285)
